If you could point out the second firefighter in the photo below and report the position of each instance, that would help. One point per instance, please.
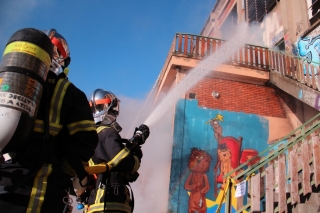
(112, 191)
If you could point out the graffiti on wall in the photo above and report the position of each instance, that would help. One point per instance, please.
(278, 36)
(299, 27)
(308, 48)
(209, 144)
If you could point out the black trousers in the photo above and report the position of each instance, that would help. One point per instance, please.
(114, 199)
(45, 192)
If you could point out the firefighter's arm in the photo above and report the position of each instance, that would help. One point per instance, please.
(79, 146)
(92, 168)
(126, 159)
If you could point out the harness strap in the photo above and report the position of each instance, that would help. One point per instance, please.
(54, 109)
(53, 115)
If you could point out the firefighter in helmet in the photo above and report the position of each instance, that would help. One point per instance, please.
(122, 157)
(38, 177)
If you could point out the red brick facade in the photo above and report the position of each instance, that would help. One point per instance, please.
(239, 97)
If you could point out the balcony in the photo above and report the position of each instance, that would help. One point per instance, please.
(250, 64)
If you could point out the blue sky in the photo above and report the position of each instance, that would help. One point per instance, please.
(118, 45)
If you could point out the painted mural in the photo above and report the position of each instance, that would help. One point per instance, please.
(208, 144)
(308, 48)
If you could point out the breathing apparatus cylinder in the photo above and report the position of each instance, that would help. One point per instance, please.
(23, 71)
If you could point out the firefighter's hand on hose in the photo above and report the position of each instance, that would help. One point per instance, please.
(79, 186)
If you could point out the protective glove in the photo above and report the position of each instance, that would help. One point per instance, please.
(137, 152)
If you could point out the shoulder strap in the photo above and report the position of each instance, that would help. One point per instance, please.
(54, 109)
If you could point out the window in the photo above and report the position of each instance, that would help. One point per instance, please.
(315, 6)
(257, 9)
(229, 25)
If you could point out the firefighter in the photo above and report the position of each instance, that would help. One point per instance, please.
(122, 157)
(37, 179)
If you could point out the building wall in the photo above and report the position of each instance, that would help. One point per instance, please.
(239, 97)
(249, 117)
(209, 143)
(244, 119)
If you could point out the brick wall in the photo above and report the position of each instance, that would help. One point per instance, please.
(239, 97)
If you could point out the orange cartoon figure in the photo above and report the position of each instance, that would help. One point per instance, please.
(228, 155)
(197, 182)
(225, 163)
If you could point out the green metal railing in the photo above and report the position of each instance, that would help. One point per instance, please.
(243, 171)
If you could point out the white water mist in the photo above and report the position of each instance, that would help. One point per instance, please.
(206, 66)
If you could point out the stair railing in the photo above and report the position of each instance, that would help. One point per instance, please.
(292, 168)
(299, 69)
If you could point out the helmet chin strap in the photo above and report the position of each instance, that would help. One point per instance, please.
(55, 68)
(107, 119)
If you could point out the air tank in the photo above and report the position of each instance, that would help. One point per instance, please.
(23, 71)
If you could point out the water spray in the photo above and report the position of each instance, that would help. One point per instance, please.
(206, 66)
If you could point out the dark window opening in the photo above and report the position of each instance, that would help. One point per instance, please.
(257, 9)
(192, 95)
(315, 6)
(281, 46)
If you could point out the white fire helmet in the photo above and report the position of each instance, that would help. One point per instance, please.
(104, 106)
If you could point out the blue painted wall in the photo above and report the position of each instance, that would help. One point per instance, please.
(191, 130)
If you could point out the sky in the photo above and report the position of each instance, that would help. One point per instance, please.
(119, 46)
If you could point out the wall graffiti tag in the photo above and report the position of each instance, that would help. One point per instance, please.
(308, 49)
(299, 27)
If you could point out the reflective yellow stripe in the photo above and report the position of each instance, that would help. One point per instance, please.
(38, 126)
(110, 206)
(39, 189)
(86, 125)
(100, 128)
(55, 109)
(121, 155)
(91, 163)
(29, 48)
(54, 129)
(57, 99)
(99, 195)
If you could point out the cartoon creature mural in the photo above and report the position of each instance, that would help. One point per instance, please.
(197, 182)
(228, 154)
(309, 49)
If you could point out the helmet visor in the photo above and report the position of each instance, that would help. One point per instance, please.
(99, 105)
